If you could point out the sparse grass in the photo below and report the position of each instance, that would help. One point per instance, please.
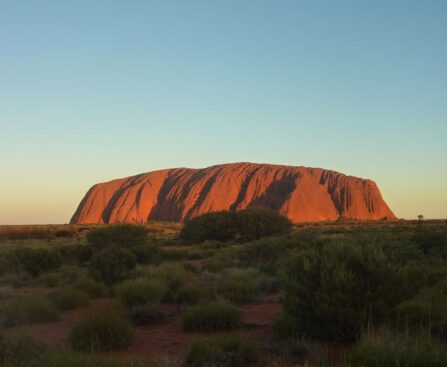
(27, 310)
(69, 298)
(214, 316)
(104, 328)
(223, 351)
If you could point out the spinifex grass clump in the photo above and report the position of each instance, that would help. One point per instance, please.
(104, 328)
(223, 351)
(140, 291)
(213, 316)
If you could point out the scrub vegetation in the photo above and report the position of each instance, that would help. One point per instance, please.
(225, 289)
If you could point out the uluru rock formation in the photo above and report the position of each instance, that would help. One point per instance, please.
(302, 194)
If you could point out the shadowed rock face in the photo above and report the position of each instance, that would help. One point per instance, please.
(302, 194)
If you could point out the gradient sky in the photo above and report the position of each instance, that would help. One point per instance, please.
(96, 90)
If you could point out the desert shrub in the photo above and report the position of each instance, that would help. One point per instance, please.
(68, 299)
(93, 288)
(125, 235)
(73, 359)
(222, 260)
(104, 328)
(222, 351)
(213, 316)
(112, 265)
(49, 280)
(77, 253)
(254, 223)
(338, 290)
(431, 242)
(218, 226)
(20, 350)
(193, 293)
(140, 291)
(147, 254)
(36, 261)
(393, 350)
(240, 285)
(27, 310)
(427, 311)
(147, 314)
(9, 262)
(174, 275)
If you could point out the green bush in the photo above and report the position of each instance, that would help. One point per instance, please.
(147, 314)
(104, 328)
(147, 254)
(20, 350)
(125, 235)
(28, 310)
(215, 226)
(248, 224)
(68, 299)
(427, 311)
(338, 290)
(222, 351)
(36, 261)
(112, 265)
(254, 223)
(77, 253)
(213, 316)
(390, 350)
(140, 291)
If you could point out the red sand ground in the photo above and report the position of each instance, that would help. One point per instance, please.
(153, 342)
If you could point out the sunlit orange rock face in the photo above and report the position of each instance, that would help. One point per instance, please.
(302, 194)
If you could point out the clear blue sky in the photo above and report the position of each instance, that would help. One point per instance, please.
(95, 90)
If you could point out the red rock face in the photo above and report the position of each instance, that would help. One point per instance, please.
(302, 194)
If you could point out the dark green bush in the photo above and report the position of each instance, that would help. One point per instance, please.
(223, 351)
(140, 291)
(393, 350)
(28, 310)
(338, 290)
(20, 350)
(104, 328)
(213, 316)
(112, 265)
(125, 235)
(147, 314)
(36, 261)
(76, 253)
(254, 223)
(247, 224)
(67, 299)
(147, 254)
(218, 226)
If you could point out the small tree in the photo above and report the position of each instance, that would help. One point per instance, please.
(112, 265)
(420, 217)
(339, 290)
